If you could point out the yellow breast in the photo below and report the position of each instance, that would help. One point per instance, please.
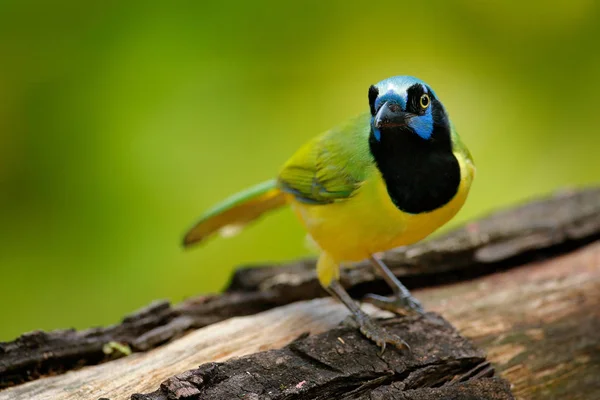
(368, 222)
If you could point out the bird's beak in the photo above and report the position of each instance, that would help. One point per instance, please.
(390, 115)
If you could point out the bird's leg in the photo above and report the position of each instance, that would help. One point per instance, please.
(366, 325)
(328, 272)
(402, 301)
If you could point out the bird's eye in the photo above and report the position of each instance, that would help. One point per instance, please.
(425, 101)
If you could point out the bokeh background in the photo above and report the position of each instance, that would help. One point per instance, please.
(121, 121)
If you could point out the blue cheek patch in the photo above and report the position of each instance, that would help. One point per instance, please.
(422, 125)
(377, 134)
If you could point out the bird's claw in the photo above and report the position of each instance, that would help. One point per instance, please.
(398, 305)
(380, 336)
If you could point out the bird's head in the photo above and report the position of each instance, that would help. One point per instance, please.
(403, 105)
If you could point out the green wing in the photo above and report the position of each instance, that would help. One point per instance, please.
(332, 166)
(459, 147)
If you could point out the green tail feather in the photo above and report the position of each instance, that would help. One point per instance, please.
(230, 216)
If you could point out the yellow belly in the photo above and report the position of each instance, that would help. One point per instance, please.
(367, 223)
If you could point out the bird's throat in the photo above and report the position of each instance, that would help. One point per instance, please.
(420, 175)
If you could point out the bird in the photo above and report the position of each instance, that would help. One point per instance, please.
(387, 178)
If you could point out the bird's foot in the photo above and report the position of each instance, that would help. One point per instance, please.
(367, 327)
(378, 334)
(400, 305)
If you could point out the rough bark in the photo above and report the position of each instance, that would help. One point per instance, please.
(341, 364)
(538, 324)
(503, 240)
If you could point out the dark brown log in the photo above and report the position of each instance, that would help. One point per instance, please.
(341, 364)
(503, 240)
(539, 324)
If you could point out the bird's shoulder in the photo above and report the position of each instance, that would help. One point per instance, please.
(461, 151)
(331, 166)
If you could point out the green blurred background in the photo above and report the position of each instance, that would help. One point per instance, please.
(120, 122)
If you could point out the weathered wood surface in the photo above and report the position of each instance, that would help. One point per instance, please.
(143, 372)
(339, 361)
(538, 323)
(501, 241)
(342, 364)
